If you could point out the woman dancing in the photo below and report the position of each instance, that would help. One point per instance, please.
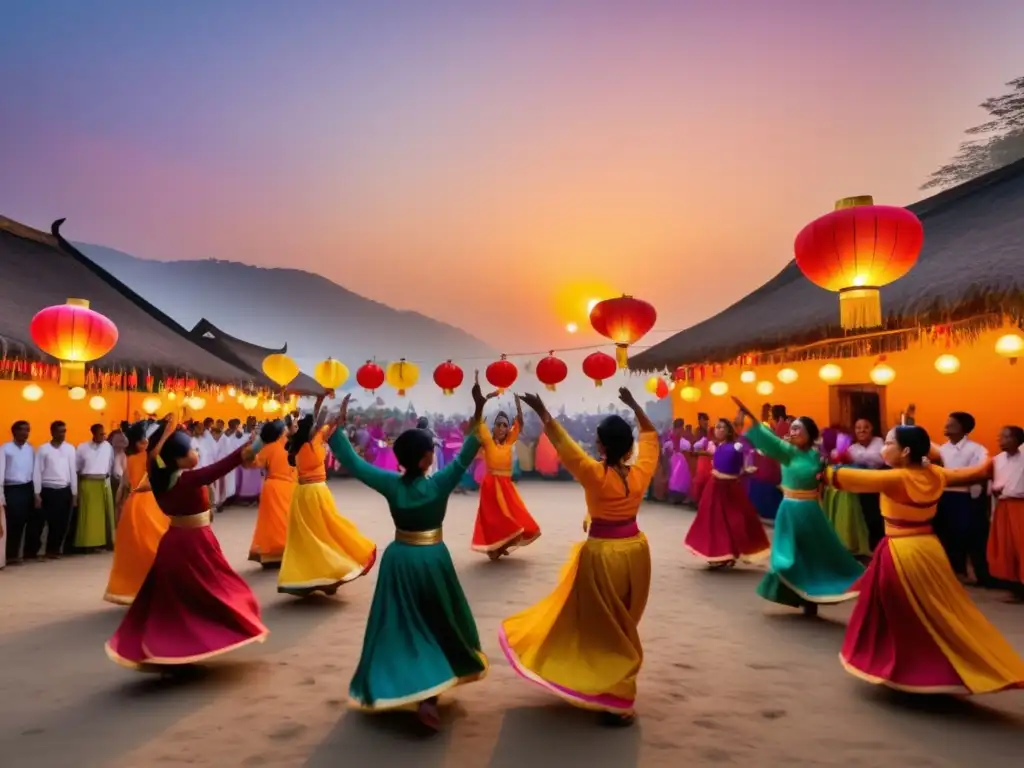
(140, 527)
(581, 641)
(192, 605)
(842, 508)
(809, 564)
(421, 638)
(914, 628)
(676, 447)
(271, 532)
(502, 520)
(323, 550)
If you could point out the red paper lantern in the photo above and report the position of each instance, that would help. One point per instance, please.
(551, 371)
(75, 335)
(370, 376)
(502, 374)
(680, 373)
(599, 366)
(624, 320)
(855, 250)
(662, 390)
(448, 376)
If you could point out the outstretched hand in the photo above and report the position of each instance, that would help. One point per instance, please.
(479, 398)
(627, 398)
(743, 409)
(342, 416)
(534, 402)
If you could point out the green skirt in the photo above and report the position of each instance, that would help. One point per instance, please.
(843, 510)
(95, 526)
(421, 638)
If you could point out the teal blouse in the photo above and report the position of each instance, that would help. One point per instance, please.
(416, 506)
(800, 469)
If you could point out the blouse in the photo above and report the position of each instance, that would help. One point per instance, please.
(309, 462)
(273, 460)
(867, 456)
(188, 494)
(498, 456)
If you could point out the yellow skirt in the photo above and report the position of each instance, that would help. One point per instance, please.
(138, 534)
(324, 550)
(581, 642)
(268, 540)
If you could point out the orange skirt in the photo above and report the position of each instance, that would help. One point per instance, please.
(502, 521)
(271, 532)
(138, 535)
(1006, 541)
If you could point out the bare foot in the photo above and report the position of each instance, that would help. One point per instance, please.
(810, 609)
(428, 714)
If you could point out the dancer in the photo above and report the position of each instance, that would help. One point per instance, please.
(420, 638)
(677, 446)
(809, 564)
(727, 527)
(323, 550)
(502, 520)
(140, 527)
(703, 449)
(271, 532)
(866, 453)
(192, 605)
(914, 628)
(842, 508)
(249, 480)
(1006, 538)
(581, 641)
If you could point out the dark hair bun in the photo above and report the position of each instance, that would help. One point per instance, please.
(271, 431)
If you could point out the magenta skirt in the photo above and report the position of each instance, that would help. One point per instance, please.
(191, 608)
(727, 526)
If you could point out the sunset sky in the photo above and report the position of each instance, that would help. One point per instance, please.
(477, 160)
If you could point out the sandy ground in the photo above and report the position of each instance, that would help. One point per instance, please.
(727, 679)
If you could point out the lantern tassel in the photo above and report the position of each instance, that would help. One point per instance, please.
(501, 390)
(449, 392)
(401, 393)
(860, 308)
(622, 355)
(550, 387)
(72, 374)
(598, 382)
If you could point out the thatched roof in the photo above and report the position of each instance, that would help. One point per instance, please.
(972, 265)
(248, 356)
(38, 270)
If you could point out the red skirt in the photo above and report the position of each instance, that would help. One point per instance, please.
(191, 608)
(1006, 541)
(502, 521)
(727, 526)
(700, 478)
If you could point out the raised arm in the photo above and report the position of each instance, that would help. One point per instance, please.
(213, 472)
(575, 459)
(446, 480)
(863, 480)
(768, 443)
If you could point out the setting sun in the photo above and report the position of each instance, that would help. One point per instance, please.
(591, 304)
(572, 327)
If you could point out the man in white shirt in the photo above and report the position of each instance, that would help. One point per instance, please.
(55, 482)
(962, 517)
(17, 497)
(95, 524)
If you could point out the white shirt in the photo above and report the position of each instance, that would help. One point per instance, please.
(868, 456)
(16, 466)
(206, 448)
(962, 455)
(1008, 475)
(55, 468)
(95, 458)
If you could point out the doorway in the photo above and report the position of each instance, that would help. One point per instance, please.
(847, 403)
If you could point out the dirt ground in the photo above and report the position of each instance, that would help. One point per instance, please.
(727, 680)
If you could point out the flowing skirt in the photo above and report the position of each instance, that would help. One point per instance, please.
(700, 478)
(139, 531)
(271, 533)
(1006, 541)
(385, 459)
(324, 550)
(502, 520)
(809, 564)
(581, 642)
(727, 526)
(766, 498)
(915, 629)
(843, 511)
(249, 483)
(421, 638)
(95, 514)
(191, 608)
(679, 475)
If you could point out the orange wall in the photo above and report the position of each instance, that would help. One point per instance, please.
(55, 404)
(986, 386)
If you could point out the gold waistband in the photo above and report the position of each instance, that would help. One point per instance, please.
(312, 480)
(723, 476)
(799, 495)
(895, 532)
(500, 472)
(93, 477)
(419, 538)
(191, 521)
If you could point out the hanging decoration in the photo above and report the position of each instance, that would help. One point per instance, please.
(97, 402)
(681, 373)
(151, 404)
(787, 375)
(718, 388)
(689, 394)
(552, 371)
(855, 250)
(75, 335)
(370, 376)
(32, 393)
(658, 387)
(625, 321)
(250, 402)
(1010, 346)
(502, 374)
(748, 376)
(882, 374)
(280, 369)
(77, 393)
(947, 364)
(330, 373)
(764, 387)
(449, 377)
(599, 366)
(402, 375)
(830, 373)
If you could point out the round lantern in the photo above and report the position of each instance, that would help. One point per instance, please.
(280, 369)
(151, 405)
(689, 394)
(232, 392)
(402, 375)
(195, 402)
(77, 393)
(651, 385)
(75, 335)
(97, 403)
(855, 250)
(830, 373)
(947, 364)
(719, 388)
(32, 392)
(220, 397)
(250, 402)
(330, 373)
(599, 366)
(502, 374)
(448, 376)
(882, 375)
(172, 395)
(270, 406)
(748, 377)
(551, 371)
(370, 376)
(658, 387)
(764, 388)
(787, 375)
(625, 321)
(1010, 346)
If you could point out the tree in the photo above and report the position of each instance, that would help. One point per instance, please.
(1001, 140)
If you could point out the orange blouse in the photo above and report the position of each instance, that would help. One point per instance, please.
(498, 456)
(273, 459)
(310, 460)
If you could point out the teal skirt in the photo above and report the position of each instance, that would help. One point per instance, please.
(809, 564)
(421, 638)
(844, 512)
